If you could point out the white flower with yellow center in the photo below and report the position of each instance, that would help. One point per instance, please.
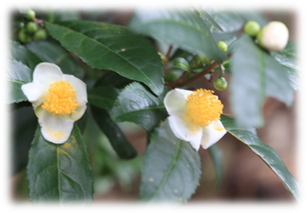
(58, 101)
(195, 116)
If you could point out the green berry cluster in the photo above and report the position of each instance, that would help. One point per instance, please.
(29, 30)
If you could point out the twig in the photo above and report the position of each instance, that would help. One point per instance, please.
(167, 57)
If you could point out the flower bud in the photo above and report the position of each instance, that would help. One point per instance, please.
(274, 36)
(252, 28)
(222, 45)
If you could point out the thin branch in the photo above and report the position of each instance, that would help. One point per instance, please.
(167, 57)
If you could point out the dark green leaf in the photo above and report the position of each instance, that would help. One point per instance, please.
(230, 21)
(217, 161)
(23, 126)
(112, 79)
(266, 153)
(48, 51)
(254, 16)
(21, 7)
(103, 97)
(181, 28)
(20, 53)
(206, 17)
(106, 46)
(255, 75)
(60, 172)
(17, 75)
(119, 142)
(171, 168)
(288, 58)
(137, 105)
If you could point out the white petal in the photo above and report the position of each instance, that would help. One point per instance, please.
(55, 128)
(47, 73)
(183, 132)
(174, 100)
(79, 112)
(35, 92)
(79, 86)
(212, 134)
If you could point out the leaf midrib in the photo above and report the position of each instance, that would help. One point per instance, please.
(170, 168)
(110, 51)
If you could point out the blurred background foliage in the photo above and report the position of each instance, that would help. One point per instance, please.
(245, 176)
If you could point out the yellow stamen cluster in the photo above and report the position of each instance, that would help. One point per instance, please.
(203, 107)
(61, 99)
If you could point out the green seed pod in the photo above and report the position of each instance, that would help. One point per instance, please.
(30, 14)
(252, 28)
(222, 45)
(220, 83)
(40, 34)
(23, 37)
(31, 27)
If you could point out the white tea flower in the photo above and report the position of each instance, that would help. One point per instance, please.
(58, 101)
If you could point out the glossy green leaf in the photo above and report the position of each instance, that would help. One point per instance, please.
(21, 7)
(250, 138)
(22, 130)
(17, 75)
(181, 63)
(230, 21)
(60, 172)
(52, 52)
(118, 140)
(255, 75)
(184, 29)
(22, 54)
(171, 169)
(113, 47)
(252, 15)
(288, 58)
(206, 17)
(216, 157)
(103, 97)
(137, 105)
(113, 79)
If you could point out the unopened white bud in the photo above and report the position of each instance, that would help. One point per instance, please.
(274, 36)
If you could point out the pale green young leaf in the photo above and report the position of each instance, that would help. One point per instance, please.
(255, 75)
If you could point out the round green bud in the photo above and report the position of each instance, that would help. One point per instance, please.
(220, 83)
(40, 34)
(30, 14)
(252, 28)
(204, 59)
(222, 45)
(274, 36)
(170, 76)
(31, 27)
(23, 37)
(20, 24)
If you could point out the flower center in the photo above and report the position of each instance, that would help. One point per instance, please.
(203, 107)
(61, 99)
